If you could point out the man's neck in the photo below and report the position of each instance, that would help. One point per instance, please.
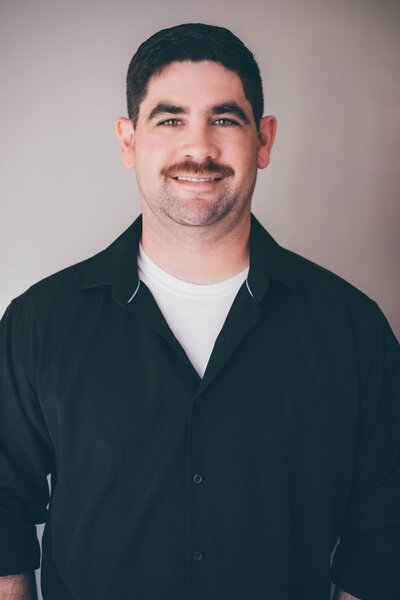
(201, 255)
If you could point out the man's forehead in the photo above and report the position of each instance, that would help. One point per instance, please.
(213, 73)
(183, 83)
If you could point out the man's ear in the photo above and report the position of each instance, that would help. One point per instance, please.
(266, 136)
(126, 136)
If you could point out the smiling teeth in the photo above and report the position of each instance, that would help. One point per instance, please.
(197, 179)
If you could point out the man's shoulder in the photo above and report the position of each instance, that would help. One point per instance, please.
(61, 288)
(65, 280)
(312, 274)
(331, 300)
(325, 287)
(318, 284)
(99, 267)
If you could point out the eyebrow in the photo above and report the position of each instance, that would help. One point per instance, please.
(165, 107)
(220, 109)
(231, 108)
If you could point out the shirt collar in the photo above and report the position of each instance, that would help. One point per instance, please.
(116, 265)
(269, 260)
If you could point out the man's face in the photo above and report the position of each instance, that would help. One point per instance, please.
(196, 148)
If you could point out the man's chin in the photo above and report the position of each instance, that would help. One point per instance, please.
(194, 218)
(193, 222)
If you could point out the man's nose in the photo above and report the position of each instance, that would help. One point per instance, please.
(200, 144)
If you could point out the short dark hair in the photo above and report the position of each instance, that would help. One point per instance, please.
(195, 42)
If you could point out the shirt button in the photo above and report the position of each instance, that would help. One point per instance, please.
(197, 478)
(198, 401)
(197, 556)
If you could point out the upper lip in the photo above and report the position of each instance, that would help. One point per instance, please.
(197, 176)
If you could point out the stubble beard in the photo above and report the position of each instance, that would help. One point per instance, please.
(196, 211)
(190, 208)
(202, 210)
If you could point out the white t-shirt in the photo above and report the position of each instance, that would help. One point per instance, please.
(195, 313)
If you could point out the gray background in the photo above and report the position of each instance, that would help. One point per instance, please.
(331, 77)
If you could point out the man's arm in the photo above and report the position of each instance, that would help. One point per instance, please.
(366, 558)
(18, 587)
(25, 453)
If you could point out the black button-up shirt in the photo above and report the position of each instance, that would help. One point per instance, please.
(166, 486)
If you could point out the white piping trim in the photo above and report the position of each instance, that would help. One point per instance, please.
(134, 293)
(248, 287)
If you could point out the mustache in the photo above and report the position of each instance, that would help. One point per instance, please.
(208, 167)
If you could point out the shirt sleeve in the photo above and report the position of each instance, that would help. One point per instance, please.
(366, 563)
(24, 449)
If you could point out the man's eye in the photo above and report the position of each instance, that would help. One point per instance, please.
(225, 122)
(170, 122)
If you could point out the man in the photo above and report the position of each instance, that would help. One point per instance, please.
(216, 412)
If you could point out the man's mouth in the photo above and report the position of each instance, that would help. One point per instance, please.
(196, 179)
